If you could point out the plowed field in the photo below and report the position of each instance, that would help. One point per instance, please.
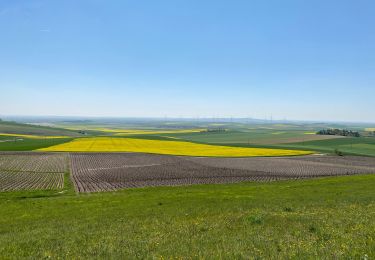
(32, 171)
(105, 172)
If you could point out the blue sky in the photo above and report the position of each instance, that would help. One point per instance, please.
(310, 60)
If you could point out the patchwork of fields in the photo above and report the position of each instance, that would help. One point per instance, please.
(320, 218)
(112, 158)
(70, 136)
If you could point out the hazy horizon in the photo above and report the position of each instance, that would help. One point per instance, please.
(251, 120)
(294, 60)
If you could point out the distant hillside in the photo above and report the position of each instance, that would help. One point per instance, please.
(26, 129)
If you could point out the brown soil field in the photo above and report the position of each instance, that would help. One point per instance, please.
(32, 171)
(93, 172)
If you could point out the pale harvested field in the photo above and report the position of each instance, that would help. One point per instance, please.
(32, 171)
(298, 139)
(106, 172)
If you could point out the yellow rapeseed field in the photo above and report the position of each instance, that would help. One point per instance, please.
(33, 136)
(370, 129)
(108, 144)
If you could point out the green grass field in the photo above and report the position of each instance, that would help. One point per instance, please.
(321, 218)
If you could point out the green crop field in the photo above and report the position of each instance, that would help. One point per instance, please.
(26, 144)
(26, 129)
(348, 145)
(321, 218)
(250, 136)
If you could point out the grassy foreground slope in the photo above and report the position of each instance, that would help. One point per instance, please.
(321, 218)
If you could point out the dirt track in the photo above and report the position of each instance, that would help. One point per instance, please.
(107, 171)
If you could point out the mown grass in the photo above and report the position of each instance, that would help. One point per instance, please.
(321, 218)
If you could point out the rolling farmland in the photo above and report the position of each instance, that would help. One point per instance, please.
(169, 157)
(187, 130)
(92, 190)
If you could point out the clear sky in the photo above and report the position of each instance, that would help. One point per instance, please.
(301, 59)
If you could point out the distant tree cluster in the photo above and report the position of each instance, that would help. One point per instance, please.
(215, 130)
(341, 132)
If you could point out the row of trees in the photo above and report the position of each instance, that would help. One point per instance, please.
(215, 130)
(342, 132)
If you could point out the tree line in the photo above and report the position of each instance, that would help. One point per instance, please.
(341, 132)
(215, 130)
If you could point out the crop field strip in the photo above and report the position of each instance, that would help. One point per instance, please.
(93, 172)
(108, 144)
(32, 171)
